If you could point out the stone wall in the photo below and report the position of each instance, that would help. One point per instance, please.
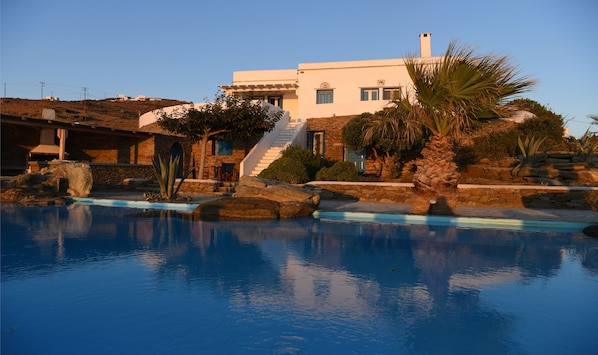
(240, 151)
(113, 175)
(559, 168)
(334, 149)
(333, 136)
(499, 196)
(198, 187)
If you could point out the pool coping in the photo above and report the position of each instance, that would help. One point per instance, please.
(374, 217)
(108, 202)
(455, 221)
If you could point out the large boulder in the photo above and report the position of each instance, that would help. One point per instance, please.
(79, 176)
(261, 199)
(34, 189)
(250, 186)
(235, 208)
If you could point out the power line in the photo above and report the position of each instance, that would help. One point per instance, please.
(72, 92)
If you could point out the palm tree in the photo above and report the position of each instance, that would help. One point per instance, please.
(450, 94)
(380, 132)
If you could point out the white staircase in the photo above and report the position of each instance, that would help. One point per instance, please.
(283, 139)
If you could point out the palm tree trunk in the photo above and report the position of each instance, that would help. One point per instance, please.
(437, 177)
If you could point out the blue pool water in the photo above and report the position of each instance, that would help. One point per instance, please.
(84, 279)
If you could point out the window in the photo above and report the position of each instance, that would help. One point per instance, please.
(369, 94)
(357, 157)
(391, 93)
(324, 97)
(221, 148)
(275, 100)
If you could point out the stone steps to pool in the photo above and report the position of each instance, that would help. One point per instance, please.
(226, 188)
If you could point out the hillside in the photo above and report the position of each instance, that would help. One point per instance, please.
(105, 113)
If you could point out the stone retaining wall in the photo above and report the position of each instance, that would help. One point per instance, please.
(500, 196)
(141, 176)
(113, 175)
(198, 187)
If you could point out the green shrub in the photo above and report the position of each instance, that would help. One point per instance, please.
(499, 145)
(586, 147)
(306, 157)
(495, 146)
(340, 171)
(287, 170)
(546, 127)
(546, 124)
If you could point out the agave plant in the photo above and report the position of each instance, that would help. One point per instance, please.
(166, 176)
(588, 147)
(531, 154)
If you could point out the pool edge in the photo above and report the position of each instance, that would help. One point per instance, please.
(455, 221)
(135, 204)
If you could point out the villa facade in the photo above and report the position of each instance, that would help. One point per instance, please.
(329, 89)
(318, 100)
(325, 95)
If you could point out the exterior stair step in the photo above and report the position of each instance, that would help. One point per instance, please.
(226, 188)
(274, 152)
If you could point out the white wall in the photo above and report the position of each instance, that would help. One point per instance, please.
(347, 79)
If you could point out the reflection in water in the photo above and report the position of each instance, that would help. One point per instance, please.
(290, 286)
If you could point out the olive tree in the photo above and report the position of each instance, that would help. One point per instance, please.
(228, 117)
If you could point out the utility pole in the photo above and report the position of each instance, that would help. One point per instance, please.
(42, 95)
(84, 104)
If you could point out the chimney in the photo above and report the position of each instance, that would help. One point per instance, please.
(425, 44)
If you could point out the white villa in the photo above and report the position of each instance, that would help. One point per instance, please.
(331, 88)
(310, 95)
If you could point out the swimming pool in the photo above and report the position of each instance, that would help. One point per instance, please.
(92, 279)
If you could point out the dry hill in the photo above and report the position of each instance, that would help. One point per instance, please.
(105, 113)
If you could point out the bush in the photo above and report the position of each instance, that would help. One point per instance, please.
(306, 157)
(495, 146)
(340, 171)
(287, 170)
(499, 145)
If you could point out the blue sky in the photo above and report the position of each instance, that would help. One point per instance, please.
(183, 50)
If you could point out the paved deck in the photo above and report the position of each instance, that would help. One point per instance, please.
(564, 215)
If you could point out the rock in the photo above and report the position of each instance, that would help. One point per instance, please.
(234, 208)
(276, 191)
(35, 189)
(591, 231)
(589, 177)
(79, 176)
(261, 199)
(294, 209)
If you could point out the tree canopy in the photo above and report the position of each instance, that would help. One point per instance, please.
(450, 93)
(461, 87)
(228, 117)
